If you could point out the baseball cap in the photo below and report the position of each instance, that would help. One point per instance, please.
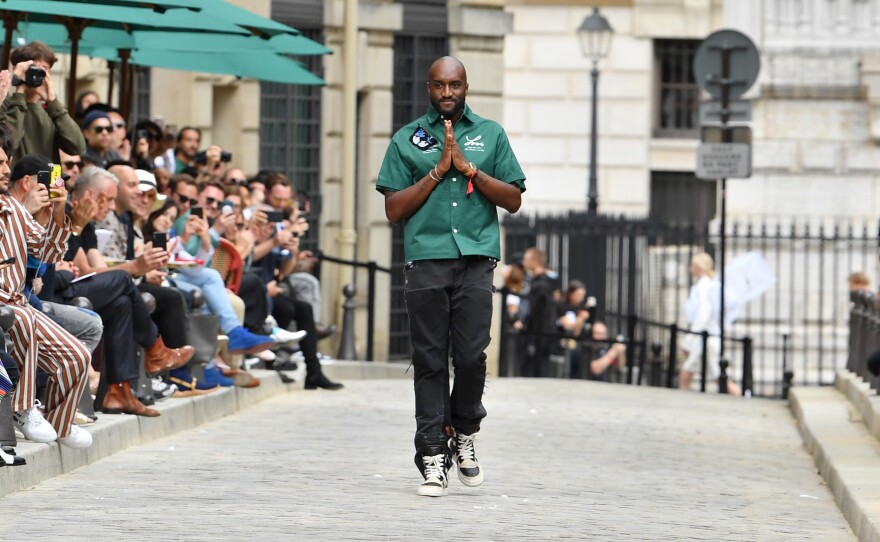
(30, 164)
(147, 182)
(92, 116)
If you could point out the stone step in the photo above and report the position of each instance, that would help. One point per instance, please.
(845, 452)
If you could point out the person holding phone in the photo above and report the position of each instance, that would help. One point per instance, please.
(36, 225)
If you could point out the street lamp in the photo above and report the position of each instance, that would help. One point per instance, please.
(595, 34)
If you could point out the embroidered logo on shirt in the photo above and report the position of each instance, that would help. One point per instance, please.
(422, 139)
(473, 144)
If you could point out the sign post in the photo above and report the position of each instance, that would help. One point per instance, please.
(726, 66)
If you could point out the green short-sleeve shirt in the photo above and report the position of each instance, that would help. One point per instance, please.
(450, 223)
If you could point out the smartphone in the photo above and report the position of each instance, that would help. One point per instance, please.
(160, 240)
(44, 178)
(274, 216)
(141, 134)
(196, 210)
(226, 207)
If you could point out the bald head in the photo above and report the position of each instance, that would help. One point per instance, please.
(447, 86)
(127, 196)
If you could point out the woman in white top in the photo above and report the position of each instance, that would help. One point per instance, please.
(703, 313)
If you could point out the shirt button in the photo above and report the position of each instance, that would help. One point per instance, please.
(454, 231)
(454, 179)
(455, 204)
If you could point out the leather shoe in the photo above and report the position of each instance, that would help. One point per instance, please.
(321, 381)
(119, 399)
(159, 358)
(323, 331)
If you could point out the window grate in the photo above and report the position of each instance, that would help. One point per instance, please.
(677, 90)
(290, 136)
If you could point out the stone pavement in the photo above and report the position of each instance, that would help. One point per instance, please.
(563, 460)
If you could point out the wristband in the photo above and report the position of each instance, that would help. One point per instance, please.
(471, 177)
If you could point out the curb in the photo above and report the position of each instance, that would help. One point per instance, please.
(845, 452)
(114, 433)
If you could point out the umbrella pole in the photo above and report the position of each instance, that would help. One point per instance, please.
(74, 32)
(124, 82)
(10, 21)
(110, 80)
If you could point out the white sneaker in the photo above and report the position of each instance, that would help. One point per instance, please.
(266, 355)
(435, 476)
(271, 322)
(33, 425)
(77, 438)
(282, 336)
(469, 471)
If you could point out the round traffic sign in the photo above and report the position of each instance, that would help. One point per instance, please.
(744, 63)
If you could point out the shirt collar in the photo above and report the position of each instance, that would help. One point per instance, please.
(434, 116)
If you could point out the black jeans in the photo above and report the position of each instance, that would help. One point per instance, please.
(126, 320)
(449, 301)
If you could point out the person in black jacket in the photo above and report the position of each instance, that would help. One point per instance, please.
(540, 323)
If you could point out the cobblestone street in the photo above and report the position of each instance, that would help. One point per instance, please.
(562, 459)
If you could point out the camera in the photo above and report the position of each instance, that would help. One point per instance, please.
(33, 77)
(202, 157)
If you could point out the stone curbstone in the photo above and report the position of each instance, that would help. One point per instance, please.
(845, 454)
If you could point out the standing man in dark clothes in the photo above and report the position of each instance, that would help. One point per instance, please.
(443, 177)
(541, 322)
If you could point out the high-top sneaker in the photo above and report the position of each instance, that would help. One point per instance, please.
(469, 471)
(435, 471)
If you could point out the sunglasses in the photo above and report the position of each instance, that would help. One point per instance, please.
(101, 129)
(239, 182)
(184, 200)
(211, 201)
(71, 164)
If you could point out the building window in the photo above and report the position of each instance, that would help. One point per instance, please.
(677, 93)
(290, 136)
(681, 198)
(141, 103)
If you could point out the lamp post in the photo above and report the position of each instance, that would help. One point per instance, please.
(595, 34)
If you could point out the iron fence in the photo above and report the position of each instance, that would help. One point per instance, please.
(864, 336)
(640, 267)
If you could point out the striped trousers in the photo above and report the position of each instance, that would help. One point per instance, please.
(37, 340)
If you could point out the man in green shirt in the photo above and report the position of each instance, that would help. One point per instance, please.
(443, 177)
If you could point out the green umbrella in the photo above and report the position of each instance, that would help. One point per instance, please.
(256, 24)
(265, 67)
(77, 16)
(94, 37)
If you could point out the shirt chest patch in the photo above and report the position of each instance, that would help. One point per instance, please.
(422, 139)
(474, 144)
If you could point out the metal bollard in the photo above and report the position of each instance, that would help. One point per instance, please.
(656, 364)
(346, 344)
(722, 378)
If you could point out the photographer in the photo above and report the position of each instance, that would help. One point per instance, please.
(40, 123)
(604, 356)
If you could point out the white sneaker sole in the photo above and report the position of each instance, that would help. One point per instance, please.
(431, 491)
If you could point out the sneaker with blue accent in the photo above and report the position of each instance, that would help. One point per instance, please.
(242, 341)
(213, 376)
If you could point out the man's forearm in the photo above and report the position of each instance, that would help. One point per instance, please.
(404, 203)
(505, 195)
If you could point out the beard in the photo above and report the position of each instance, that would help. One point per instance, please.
(449, 110)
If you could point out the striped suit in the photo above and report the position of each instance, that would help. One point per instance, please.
(36, 339)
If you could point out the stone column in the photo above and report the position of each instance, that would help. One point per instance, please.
(378, 20)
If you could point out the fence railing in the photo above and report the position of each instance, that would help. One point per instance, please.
(864, 335)
(640, 267)
(649, 361)
(371, 267)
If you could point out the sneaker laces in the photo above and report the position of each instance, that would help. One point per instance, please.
(465, 447)
(435, 466)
